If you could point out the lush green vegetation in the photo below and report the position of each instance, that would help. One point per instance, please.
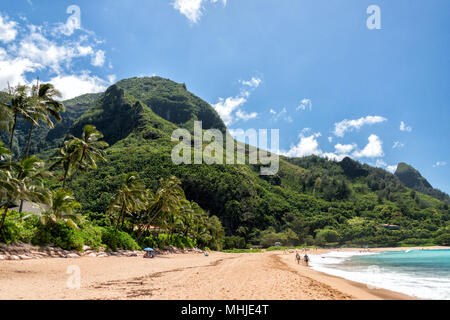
(63, 222)
(128, 190)
(414, 180)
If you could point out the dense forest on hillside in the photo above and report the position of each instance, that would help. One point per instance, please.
(310, 201)
(412, 178)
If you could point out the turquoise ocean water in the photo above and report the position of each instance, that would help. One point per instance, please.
(420, 273)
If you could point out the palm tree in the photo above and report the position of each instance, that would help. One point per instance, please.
(88, 150)
(187, 217)
(168, 197)
(5, 117)
(80, 154)
(165, 205)
(62, 208)
(15, 185)
(7, 190)
(29, 170)
(45, 107)
(20, 105)
(200, 221)
(6, 186)
(5, 153)
(65, 160)
(128, 199)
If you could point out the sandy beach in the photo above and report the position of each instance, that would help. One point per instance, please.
(253, 276)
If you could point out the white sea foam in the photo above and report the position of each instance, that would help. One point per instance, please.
(418, 284)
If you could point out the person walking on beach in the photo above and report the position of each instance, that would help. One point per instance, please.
(298, 257)
(306, 260)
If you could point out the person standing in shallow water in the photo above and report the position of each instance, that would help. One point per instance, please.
(306, 260)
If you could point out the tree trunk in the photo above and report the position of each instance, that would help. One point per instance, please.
(122, 213)
(26, 156)
(78, 168)
(123, 221)
(4, 216)
(140, 232)
(12, 133)
(65, 177)
(118, 220)
(29, 141)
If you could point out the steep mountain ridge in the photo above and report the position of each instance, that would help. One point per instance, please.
(412, 178)
(173, 102)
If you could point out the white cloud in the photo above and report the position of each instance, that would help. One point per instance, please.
(334, 156)
(226, 107)
(341, 151)
(373, 149)
(392, 168)
(192, 9)
(330, 139)
(382, 164)
(72, 86)
(230, 110)
(349, 125)
(307, 146)
(112, 78)
(242, 115)
(99, 59)
(40, 49)
(283, 114)
(253, 82)
(398, 145)
(404, 127)
(440, 164)
(344, 148)
(8, 31)
(12, 70)
(48, 53)
(305, 104)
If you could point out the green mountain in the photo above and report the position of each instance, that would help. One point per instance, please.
(412, 178)
(341, 202)
(75, 108)
(172, 101)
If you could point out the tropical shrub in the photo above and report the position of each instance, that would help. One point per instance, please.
(92, 235)
(60, 235)
(234, 242)
(10, 232)
(327, 236)
(116, 239)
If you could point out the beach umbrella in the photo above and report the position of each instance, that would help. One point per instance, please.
(148, 249)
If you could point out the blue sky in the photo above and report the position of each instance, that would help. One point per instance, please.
(311, 68)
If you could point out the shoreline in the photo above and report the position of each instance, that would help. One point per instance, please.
(365, 291)
(358, 290)
(220, 276)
